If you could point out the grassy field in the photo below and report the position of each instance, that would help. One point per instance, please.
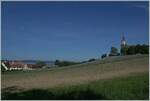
(110, 78)
(131, 87)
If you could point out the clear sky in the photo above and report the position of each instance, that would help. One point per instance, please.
(70, 30)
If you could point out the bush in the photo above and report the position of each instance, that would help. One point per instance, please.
(103, 56)
(114, 51)
(40, 64)
(64, 63)
(57, 62)
(90, 60)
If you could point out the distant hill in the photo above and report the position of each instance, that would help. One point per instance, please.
(35, 61)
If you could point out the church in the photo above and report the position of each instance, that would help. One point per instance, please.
(123, 41)
(123, 45)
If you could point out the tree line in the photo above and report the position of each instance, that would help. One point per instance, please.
(68, 63)
(64, 63)
(125, 50)
(135, 49)
(128, 50)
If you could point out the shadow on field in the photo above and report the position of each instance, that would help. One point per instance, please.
(41, 94)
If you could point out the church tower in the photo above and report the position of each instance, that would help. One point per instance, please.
(123, 41)
(123, 48)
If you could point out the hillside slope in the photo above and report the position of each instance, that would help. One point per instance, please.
(71, 75)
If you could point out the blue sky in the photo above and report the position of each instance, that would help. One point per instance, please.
(70, 30)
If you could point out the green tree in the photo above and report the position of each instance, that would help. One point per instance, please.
(57, 62)
(131, 50)
(40, 64)
(64, 63)
(135, 49)
(138, 48)
(114, 51)
(103, 56)
(124, 50)
(144, 49)
(90, 60)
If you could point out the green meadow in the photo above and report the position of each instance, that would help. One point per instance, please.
(117, 78)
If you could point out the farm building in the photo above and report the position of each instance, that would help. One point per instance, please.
(14, 65)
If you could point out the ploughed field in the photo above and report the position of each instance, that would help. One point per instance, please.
(122, 77)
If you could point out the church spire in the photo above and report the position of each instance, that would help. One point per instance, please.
(123, 41)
